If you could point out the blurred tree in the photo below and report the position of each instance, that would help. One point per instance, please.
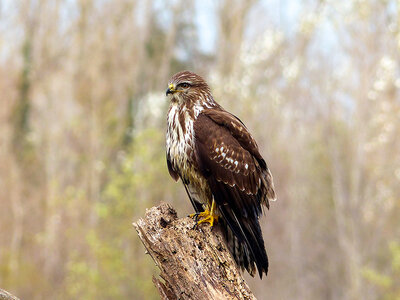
(82, 124)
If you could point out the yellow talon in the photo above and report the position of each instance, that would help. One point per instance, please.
(193, 215)
(209, 219)
(208, 216)
(203, 214)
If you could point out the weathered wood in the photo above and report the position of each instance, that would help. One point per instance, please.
(4, 295)
(194, 263)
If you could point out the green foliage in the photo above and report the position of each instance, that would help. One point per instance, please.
(389, 283)
(113, 269)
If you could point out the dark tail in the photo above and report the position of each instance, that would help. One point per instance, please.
(239, 219)
(246, 244)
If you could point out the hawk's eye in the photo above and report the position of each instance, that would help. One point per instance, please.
(184, 85)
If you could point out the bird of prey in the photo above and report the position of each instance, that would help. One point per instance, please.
(218, 162)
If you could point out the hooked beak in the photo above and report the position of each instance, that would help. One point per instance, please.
(171, 90)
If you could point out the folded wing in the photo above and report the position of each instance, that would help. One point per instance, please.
(239, 180)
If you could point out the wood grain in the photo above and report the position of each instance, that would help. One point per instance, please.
(194, 263)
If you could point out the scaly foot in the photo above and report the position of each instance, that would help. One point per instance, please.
(207, 216)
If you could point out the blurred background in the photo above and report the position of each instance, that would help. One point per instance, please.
(82, 129)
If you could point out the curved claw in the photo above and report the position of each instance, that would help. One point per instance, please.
(209, 219)
(208, 216)
(195, 217)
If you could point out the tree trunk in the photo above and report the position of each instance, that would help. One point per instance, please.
(194, 263)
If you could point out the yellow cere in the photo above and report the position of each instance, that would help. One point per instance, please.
(171, 87)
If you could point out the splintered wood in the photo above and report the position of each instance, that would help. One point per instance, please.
(194, 263)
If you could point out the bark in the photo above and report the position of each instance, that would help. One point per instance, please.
(4, 295)
(194, 262)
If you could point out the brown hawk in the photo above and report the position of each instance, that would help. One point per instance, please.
(219, 163)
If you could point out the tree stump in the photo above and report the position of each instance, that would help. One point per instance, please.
(4, 295)
(194, 262)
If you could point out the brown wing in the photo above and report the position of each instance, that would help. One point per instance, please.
(228, 157)
(240, 133)
(237, 129)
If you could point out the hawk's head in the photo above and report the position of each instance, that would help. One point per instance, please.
(186, 87)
